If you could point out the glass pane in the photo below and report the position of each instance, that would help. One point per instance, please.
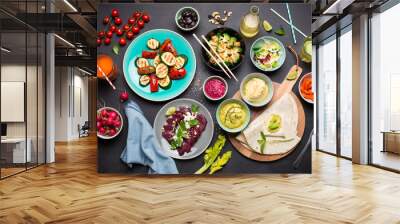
(13, 87)
(41, 99)
(31, 99)
(385, 84)
(327, 96)
(346, 94)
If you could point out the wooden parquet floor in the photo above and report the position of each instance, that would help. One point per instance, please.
(71, 191)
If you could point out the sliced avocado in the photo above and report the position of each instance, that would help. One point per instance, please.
(274, 123)
(226, 37)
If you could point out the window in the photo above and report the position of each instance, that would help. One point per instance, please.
(326, 96)
(385, 89)
(346, 75)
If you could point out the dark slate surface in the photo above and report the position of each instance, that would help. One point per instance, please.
(162, 16)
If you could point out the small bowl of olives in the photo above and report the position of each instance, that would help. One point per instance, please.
(187, 18)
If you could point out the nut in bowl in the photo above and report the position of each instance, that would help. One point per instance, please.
(256, 89)
(233, 115)
(187, 18)
(109, 123)
(215, 88)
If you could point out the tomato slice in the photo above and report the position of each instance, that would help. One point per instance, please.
(153, 83)
(182, 72)
(167, 46)
(174, 73)
(149, 54)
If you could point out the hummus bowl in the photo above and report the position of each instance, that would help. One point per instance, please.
(233, 115)
(256, 89)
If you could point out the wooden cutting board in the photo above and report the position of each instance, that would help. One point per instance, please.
(279, 91)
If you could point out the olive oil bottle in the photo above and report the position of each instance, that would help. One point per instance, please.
(250, 23)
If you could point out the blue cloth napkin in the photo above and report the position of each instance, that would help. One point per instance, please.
(142, 146)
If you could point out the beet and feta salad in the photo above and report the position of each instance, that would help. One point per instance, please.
(183, 127)
(159, 65)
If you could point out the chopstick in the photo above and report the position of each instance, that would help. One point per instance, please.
(291, 23)
(219, 57)
(106, 77)
(209, 53)
(295, 54)
(283, 18)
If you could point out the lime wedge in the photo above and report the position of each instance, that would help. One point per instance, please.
(170, 111)
(267, 26)
(292, 74)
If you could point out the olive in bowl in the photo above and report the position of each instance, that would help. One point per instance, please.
(187, 18)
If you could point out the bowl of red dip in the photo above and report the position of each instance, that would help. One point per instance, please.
(215, 88)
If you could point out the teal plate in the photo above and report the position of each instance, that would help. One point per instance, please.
(134, 51)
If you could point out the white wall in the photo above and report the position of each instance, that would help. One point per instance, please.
(33, 127)
(70, 83)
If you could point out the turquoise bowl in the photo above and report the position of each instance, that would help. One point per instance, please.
(281, 59)
(267, 80)
(244, 125)
(134, 51)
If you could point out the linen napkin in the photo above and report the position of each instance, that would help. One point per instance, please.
(142, 146)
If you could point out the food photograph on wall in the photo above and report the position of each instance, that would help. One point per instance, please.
(212, 89)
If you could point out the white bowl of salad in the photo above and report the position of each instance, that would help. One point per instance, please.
(267, 53)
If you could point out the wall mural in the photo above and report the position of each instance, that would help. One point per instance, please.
(211, 89)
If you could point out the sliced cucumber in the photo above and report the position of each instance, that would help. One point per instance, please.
(165, 83)
(141, 62)
(168, 58)
(161, 71)
(180, 61)
(157, 60)
(144, 80)
(153, 44)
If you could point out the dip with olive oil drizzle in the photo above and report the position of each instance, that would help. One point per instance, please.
(255, 90)
(232, 115)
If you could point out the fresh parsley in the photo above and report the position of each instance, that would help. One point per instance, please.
(181, 132)
(195, 108)
(262, 142)
(193, 122)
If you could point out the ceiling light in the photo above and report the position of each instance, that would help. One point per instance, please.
(328, 10)
(70, 5)
(64, 40)
(5, 50)
(84, 71)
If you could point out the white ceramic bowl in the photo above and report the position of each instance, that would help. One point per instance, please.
(178, 16)
(219, 78)
(121, 119)
(245, 123)
(301, 81)
(267, 80)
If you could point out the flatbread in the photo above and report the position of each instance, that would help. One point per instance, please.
(281, 141)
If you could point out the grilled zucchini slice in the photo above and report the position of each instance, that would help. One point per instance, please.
(161, 71)
(180, 61)
(157, 60)
(153, 44)
(144, 80)
(165, 83)
(141, 62)
(168, 58)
